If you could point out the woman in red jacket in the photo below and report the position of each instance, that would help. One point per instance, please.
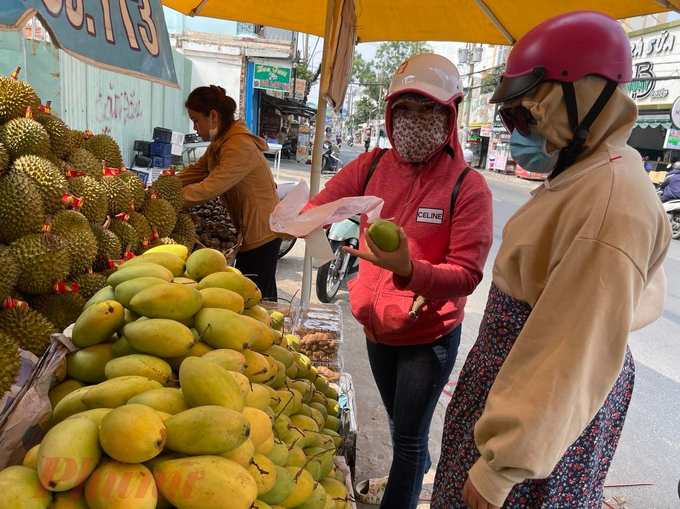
(441, 257)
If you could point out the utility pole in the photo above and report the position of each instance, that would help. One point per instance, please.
(307, 50)
(471, 81)
(380, 93)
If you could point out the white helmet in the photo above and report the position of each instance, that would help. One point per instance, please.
(431, 75)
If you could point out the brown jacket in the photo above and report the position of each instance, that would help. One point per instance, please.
(235, 169)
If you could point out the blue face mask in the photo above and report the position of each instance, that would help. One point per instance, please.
(530, 152)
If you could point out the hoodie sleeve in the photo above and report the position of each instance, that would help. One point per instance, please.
(560, 369)
(236, 161)
(470, 241)
(196, 172)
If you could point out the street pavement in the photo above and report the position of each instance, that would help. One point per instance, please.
(649, 450)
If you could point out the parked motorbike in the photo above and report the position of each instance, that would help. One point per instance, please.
(672, 208)
(330, 276)
(331, 163)
(283, 190)
(287, 149)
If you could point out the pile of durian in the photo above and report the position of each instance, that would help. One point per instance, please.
(66, 218)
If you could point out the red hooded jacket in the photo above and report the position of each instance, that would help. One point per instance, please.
(448, 255)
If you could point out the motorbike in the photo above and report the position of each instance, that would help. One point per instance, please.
(330, 161)
(672, 208)
(330, 276)
(350, 141)
(287, 149)
(282, 190)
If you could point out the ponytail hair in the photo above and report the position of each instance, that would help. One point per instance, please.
(205, 99)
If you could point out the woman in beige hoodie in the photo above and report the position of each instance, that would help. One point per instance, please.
(541, 400)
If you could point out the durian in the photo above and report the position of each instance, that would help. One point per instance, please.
(95, 202)
(136, 187)
(73, 227)
(58, 131)
(77, 139)
(24, 136)
(82, 160)
(28, 328)
(9, 272)
(62, 309)
(185, 231)
(105, 148)
(163, 241)
(47, 178)
(160, 214)
(15, 97)
(4, 159)
(126, 234)
(170, 188)
(142, 228)
(43, 259)
(21, 208)
(109, 246)
(90, 283)
(10, 363)
(118, 194)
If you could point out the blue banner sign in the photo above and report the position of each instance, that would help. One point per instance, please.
(126, 36)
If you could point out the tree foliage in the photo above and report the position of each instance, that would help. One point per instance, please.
(365, 109)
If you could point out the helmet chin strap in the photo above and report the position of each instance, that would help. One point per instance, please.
(570, 153)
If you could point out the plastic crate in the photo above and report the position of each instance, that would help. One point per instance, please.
(192, 138)
(162, 161)
(177, 159)
(143, 147)
(159, 148)
(162, 134)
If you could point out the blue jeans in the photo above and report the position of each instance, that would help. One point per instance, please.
(410, 380)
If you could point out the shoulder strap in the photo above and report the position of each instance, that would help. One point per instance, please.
(456, 189)
(371, 171)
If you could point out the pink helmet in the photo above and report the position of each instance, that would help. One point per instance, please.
(566, 48)
(431, 75)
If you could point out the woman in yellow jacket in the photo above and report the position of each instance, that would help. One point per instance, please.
(235, 169)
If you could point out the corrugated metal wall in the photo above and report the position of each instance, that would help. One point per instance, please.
(124, 107)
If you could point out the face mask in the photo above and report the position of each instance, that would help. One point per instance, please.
(417, 135)
(530, 152)
(212, 133)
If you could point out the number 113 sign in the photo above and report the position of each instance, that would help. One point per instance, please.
(127, 36)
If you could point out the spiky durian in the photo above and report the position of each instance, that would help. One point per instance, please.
(160, 214)
(185, 231)
(9, 272)
(82, 160)
(15, 97)
(24, 136)
(95, 202)
(21, 207)
(10, 363)
(28, 328)
(109, 247)
(43, 259)
(136, 187)
(62, 309)
(58, 131)
(73, 228)
(170, 188)
(105, 148)
(4, 159)
(47, 178)
(118, 194)
(126, 234)
(90, 283)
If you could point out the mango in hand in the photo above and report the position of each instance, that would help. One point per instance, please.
(385, 234)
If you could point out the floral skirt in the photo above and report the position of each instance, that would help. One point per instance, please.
(578, 479)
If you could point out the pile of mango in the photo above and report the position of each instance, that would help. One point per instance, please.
(184, 393)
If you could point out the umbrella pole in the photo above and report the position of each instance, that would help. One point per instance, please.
(317, 151)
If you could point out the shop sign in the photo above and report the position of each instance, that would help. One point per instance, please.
(116, 36)
(675, 113)
(481, 112)
(271, 77)
(485, 131)
(672, 141)
(300, 87)
(654, 56)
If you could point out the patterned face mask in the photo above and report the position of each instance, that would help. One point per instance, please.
(417, 134)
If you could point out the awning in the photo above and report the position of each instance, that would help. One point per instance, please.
(287, 106)
(654, 120)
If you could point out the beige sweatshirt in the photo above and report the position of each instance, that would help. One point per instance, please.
(585, 252)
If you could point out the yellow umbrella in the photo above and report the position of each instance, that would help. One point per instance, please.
(342, 22)
(486, 21)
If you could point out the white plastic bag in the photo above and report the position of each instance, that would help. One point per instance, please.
(286, 218)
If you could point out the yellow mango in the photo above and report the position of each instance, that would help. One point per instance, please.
(238, 283)
(172, 301)
(117, 392)
(317, 500)
(115, 485)
(243, 454)
(282, 355)
(243, 383)
(260, 425)
(73, 499)
(20, 489)
(97, 323)
(279, 453)
(265, 338)
(266, 447)
(303, 486)
(125, 273)
(296, 457)
(96, 415)
(160, 337)
(336, 490)
(204, 262)
(132, 433)
(221, 328)
(167, 399)
(140, 365)
(68, 454)
(206, 383)
(88, 365)
(264, 473)
(231, 360)
(128, 289)
(173, 263)
(121, 348)
(258, 369)
(186, 281)
(207, 429)
(282, 488)
(62, 390)
(258, 397)
(215, 480)
(260, 314)
(106, 293)
(175, 249)
(198, 349)
(222, 299)
(31, 458)
(70, 404)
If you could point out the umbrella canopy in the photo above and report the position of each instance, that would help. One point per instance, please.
(486, 21)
